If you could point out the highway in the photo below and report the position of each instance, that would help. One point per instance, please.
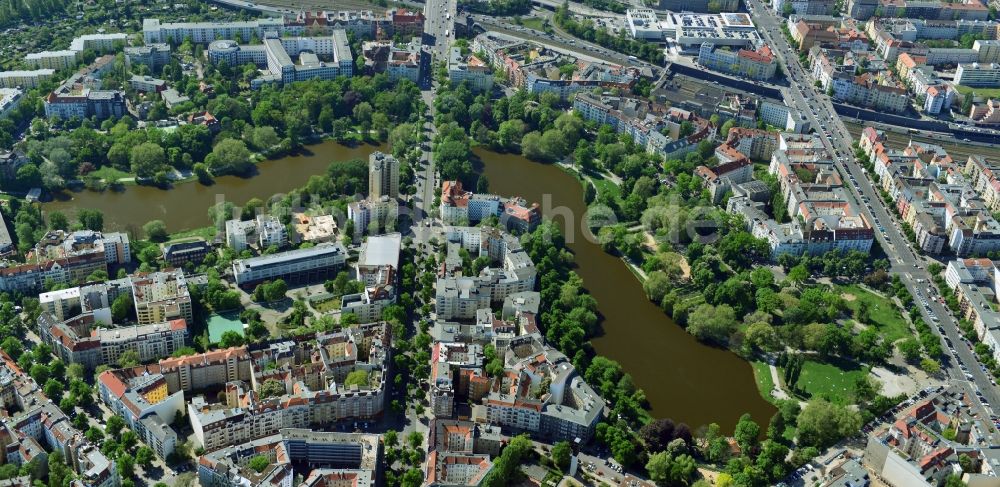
(803, 96)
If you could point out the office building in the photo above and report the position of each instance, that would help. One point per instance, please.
(294, 266)
(978, 75)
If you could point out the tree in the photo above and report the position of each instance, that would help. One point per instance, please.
(90, 219)
(657, 285)
(561, 453)
(724, 131)
(657, 433)
(147, 159)
(665, 469)
(229, 156)
(120, 307)
(128, 358)
(746, 434)
(271, 388)
(822, 423)
(12, 347)
(259, 463)
(415, 439)
(126, 466)
(58, 221)
(798, 274)
(144, 456)
(231, 339)
(712, 323)
(155, 230)
(910, 349)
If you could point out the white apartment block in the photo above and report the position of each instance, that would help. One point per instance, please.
(25, 79)
(153, 31)
(57, 60)
(373, 215)
(978, 75)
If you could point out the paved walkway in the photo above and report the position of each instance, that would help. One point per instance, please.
(777, 392)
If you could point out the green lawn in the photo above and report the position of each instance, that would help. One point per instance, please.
(884, 315)
(762, 375)
(833, 380)
(207, 233)
(110, 174)
(326, 305)
(603, 185)
(984, 92)
(533, 23)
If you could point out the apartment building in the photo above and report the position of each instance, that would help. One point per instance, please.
(331, 458)
(25, 79)
(314, 376)
(147, 84)
(458, 205)
(76, 99)
(34, 426)
(975, 283)
(200, 371)
(373, 216)
(822, 217)
(734, 168)
(85, 340)
(55, 60)
(155, 56)
(535, 68)
(161, 296)
(274, 56)
(986, 113)
(756, 64)
(565, 410)
(510, 271)
(915, 450)
(469, 69)
(383, 176)
(141, 397)
(652, 126)
(294, 266)
(377, 268)
(262, 232)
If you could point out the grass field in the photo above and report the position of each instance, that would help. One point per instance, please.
(984, 92)
(762, 375)
(207, 233)
(326, 305)
(110, 174)
(533, 23)
(885, 316)
(603, 185)
(834, 381)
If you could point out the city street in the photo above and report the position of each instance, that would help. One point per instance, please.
(817, 107)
